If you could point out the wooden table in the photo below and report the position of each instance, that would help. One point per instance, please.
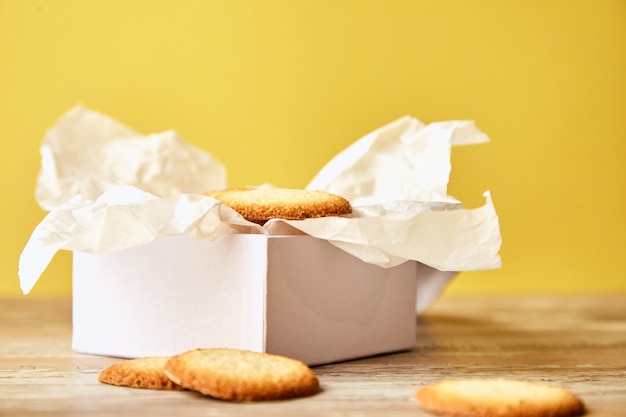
(575, 342)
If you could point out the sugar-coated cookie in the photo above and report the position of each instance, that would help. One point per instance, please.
(498, 398)
(262, 204)
(139, 373)
(241, 375)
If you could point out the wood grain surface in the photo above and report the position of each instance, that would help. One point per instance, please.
(572, 341)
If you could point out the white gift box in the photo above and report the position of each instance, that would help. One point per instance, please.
(296, 296)
(160, 268)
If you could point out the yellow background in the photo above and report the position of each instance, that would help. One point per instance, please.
(274, 89)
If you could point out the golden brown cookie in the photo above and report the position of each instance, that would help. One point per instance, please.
(139, 373)
(240, 375)
(261, 204)
(498, 398)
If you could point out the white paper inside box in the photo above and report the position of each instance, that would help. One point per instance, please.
(291, 295)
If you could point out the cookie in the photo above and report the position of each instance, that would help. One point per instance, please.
(241, 375)
(498, 398)
(259, 205)
(139, 373)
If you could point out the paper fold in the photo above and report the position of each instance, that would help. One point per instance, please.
(85, 153)
(107, 188)
(402, 161)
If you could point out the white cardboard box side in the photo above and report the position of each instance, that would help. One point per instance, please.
(291, 295)
(170, 295)
(330, 306)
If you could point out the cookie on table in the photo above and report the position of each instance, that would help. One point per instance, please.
(139, 373)
(241, 375)
(498, 398)
(259, 205)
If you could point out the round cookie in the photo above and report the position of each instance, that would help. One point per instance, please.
(139, 373)
(498, 398)
(240, 375)
(262, 204)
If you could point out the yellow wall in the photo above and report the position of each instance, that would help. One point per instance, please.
(275, 88)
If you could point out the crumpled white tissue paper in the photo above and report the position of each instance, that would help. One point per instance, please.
(107, 188)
